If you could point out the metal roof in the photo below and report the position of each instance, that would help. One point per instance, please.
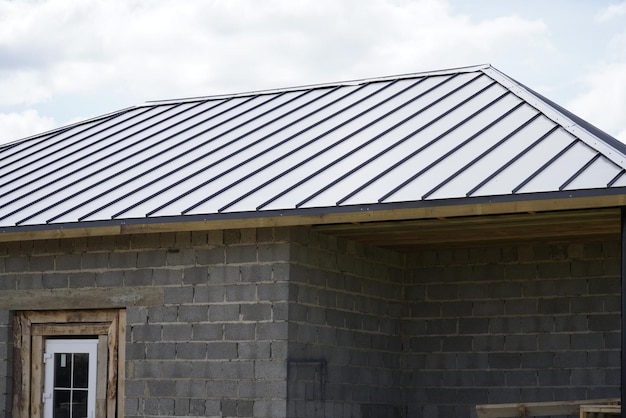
(461, 135)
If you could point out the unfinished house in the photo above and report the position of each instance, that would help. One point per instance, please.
(408, 246)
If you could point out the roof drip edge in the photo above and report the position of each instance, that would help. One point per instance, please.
(426, 209)
(592, 136)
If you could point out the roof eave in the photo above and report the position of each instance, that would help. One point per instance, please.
(427, 209)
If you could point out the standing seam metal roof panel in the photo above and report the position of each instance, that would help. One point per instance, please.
(440, 136)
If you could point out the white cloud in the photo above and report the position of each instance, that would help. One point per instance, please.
(611, 12)
(73, 57)
(15, 125)
(166, 49)
(604, 102)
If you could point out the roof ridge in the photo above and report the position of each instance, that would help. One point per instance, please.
(455, 70)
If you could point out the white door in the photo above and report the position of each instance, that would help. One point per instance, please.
(70, 378)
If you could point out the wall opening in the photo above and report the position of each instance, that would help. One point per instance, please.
(32, 333)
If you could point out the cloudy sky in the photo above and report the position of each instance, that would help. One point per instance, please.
(65, 60)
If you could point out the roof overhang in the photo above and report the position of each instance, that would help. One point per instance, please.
(575, 206)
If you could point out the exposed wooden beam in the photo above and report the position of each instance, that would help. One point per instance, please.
(481, 230)
(84, 298)
(538, 409)
(446, 210)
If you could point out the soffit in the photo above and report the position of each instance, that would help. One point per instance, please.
(487, 230)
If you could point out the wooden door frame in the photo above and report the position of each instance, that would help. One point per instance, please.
(31, 328)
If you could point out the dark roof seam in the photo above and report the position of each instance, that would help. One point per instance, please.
(422, 171)
(575, 120)
(328, 148)
(233, 141)
(389, 148)
(88, 165)
(4, 148)
(48, 146)
(415, 132)
(488, 151)
(191, 162)
(46, 136)
(544, 166)
(512, 160)
(580, 171)
(254, 143)
(303, 146)
(376, 137)
(470, 139)
(154, 168)
(616, 178)
(77, 181)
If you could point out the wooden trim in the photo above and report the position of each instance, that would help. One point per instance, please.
(101, 387)
(60, 233)
(36, 376)
(112, 349)
(600, 410)
(30, 331)
(359, 214)
(66, 316)
(85, 298)
(537, 409)
(121, 362)
(21, 366)
(69, 329)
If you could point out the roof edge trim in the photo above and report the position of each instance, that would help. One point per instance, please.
(475, 206)
(594, 137)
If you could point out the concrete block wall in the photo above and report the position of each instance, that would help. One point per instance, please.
(344, 328)
(218, 344)
(217, 347)
(511, 324)
(288, 322)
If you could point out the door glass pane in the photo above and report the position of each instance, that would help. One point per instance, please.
(61, 404)
(70, 378)
(62, 370)
(79, 404)
(81, 370)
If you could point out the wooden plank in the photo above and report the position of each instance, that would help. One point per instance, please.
(101, 382)
(112, 367)
(21, 366)
(66, 316)
(536, 409)
(121, 361)
(589, 411)
(87, 298)
(70, 329)
(60, 233)
(601, 408)
(36, 377)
